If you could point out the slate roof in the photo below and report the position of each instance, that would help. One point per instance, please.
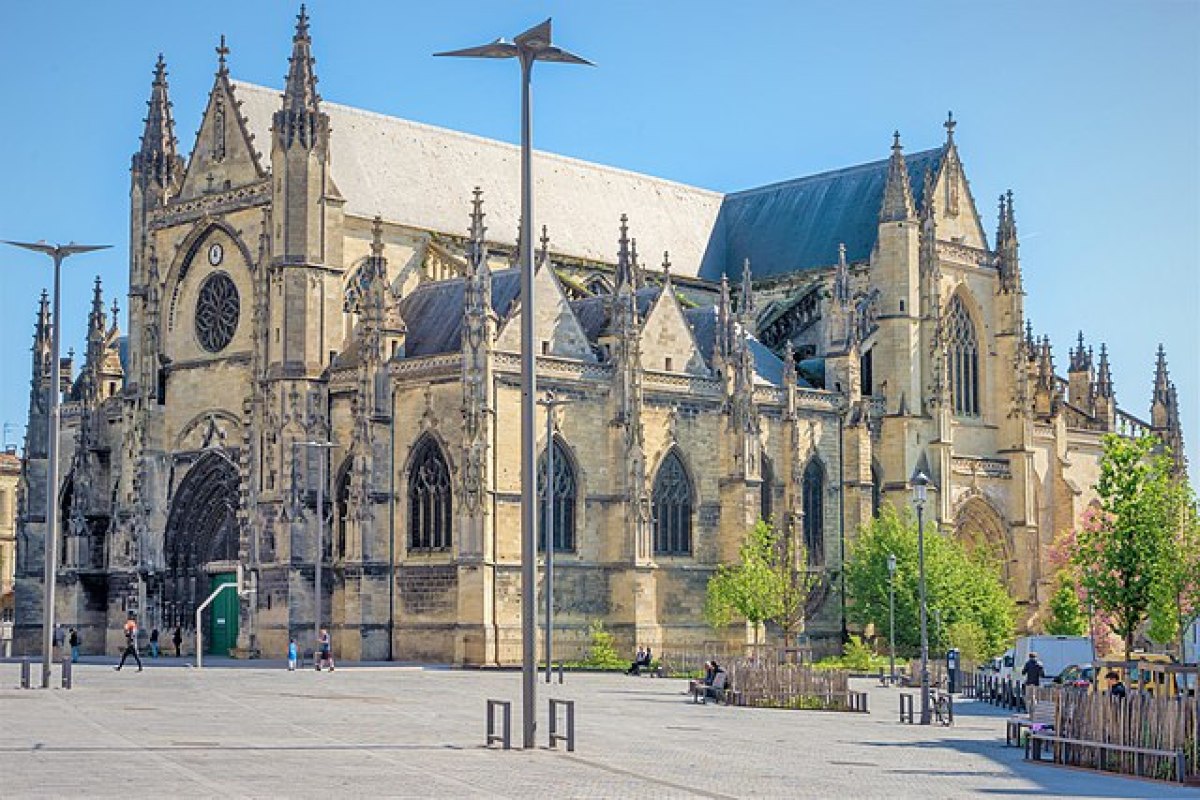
(433, 312)
(798, 224)
(422, 176)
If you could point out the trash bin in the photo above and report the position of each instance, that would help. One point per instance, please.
(952, 676)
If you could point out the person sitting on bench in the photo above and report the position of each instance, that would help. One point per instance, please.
(720, 682)
(641, 659)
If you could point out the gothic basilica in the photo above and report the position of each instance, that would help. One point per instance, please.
(312, 273)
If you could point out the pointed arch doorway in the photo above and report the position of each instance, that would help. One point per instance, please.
(201, 551)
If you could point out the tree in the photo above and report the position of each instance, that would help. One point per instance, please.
(965, 590)
(1066, 612)
(1175, 602)
(1121, 550)
(771, 582)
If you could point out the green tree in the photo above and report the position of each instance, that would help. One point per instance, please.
(965, 590)
(771, 582)
(1175, 602)
(1121, 551)
(1066, 613)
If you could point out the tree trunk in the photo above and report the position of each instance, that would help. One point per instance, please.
(1128, 642)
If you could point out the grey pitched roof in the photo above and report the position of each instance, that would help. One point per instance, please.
(422, 176)
(594, 313)
(433, 312)
(767, 365)
(798, 224)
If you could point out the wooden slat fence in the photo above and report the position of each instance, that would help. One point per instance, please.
(773, 685)
(1139, 720)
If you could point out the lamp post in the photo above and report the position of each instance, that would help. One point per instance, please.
(550, 403)
(57, 252)
(528, 48)
(320, 555)
(920, 484)
(891, 566)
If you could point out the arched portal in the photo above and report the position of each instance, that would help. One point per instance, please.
(201, 532)
(983, 533)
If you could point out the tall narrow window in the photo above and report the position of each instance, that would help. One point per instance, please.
(342, 510)
(429, 520)
(767, 489)
(813, 496)
(563, 516)
(964, 359)
(876, 490)
(672, 508)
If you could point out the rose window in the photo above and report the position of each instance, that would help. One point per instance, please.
(217, 312)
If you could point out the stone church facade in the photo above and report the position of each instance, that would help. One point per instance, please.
(316, 273)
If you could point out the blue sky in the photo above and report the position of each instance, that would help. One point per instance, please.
(1089, 111)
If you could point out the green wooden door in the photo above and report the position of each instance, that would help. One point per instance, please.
(223, 616)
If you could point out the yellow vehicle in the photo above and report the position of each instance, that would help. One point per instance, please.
(1155, 673)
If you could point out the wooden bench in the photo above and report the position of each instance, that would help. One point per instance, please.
(1041, 714)
(1033, 751)
(651, 671)
(718, 691)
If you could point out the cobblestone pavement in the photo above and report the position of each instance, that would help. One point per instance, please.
(234, 730)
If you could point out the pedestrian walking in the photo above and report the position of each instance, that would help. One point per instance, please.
(154, 642)
(324, 650)
(293, 651)
(59, 638)
(131, 634)
(177, 639)
(73, 641)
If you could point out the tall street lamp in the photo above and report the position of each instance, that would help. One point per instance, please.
(550, 403)
(57, 252)
(920, 484)
(320, 555)
(529, 47)
(891, 566)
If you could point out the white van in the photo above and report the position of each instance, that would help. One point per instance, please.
(1055, 653)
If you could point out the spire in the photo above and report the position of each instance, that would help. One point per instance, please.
(949, 125)
(476, 247)
(1104, 384)
(543, 255)
(300, 91)
(635, 266)
(841, 278)
(789, 364)
(666, 268)
(96, 320)
(1162, 379)
(377, 236)
(116, 312)
(1081, 360)
(300, 118)
(42, 343)
(624, 261)
(897, 193)
(1006, 245)
(746, 301)
(157, 161)
(724, 319)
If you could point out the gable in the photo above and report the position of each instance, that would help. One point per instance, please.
(224, 156)
(556, 329)
(955, 212)
(666, 335)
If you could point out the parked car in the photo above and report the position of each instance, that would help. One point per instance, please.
(1077, 675)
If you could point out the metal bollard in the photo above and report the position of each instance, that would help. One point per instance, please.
(560, 672)
(66, 673)
(24, 673)
(569, 736)
(506, 736)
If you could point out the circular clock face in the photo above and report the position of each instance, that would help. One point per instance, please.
(215, 254)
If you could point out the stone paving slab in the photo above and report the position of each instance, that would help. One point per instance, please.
(411, 732)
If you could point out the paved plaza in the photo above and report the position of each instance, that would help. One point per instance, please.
(255, 731)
